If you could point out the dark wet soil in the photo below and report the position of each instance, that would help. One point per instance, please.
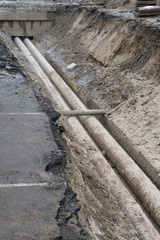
(7, 62)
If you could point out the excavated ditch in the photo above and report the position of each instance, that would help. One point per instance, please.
(117, 68)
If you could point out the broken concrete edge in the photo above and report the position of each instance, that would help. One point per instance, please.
(68, 202)
(39, 13)
(23, 15)
(56, 165)
(12, 11)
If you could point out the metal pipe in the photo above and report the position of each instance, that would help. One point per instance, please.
(39, 72)
(123, 196)
(83, 112)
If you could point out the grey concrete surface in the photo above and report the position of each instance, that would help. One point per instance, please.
(26, 142)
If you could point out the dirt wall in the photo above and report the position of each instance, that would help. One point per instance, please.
(118, 69)
(100, 213)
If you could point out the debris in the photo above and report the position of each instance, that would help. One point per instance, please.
(148, 11)
(71, 67)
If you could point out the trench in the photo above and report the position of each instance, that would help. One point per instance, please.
(92, 124)
(100, 198)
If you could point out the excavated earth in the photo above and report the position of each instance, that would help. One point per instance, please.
(117, 68)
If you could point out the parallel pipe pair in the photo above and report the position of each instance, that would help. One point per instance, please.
(138, 181)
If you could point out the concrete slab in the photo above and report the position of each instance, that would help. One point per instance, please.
(16, 95)
(26, 144)
(34, 203)
(28, 213)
